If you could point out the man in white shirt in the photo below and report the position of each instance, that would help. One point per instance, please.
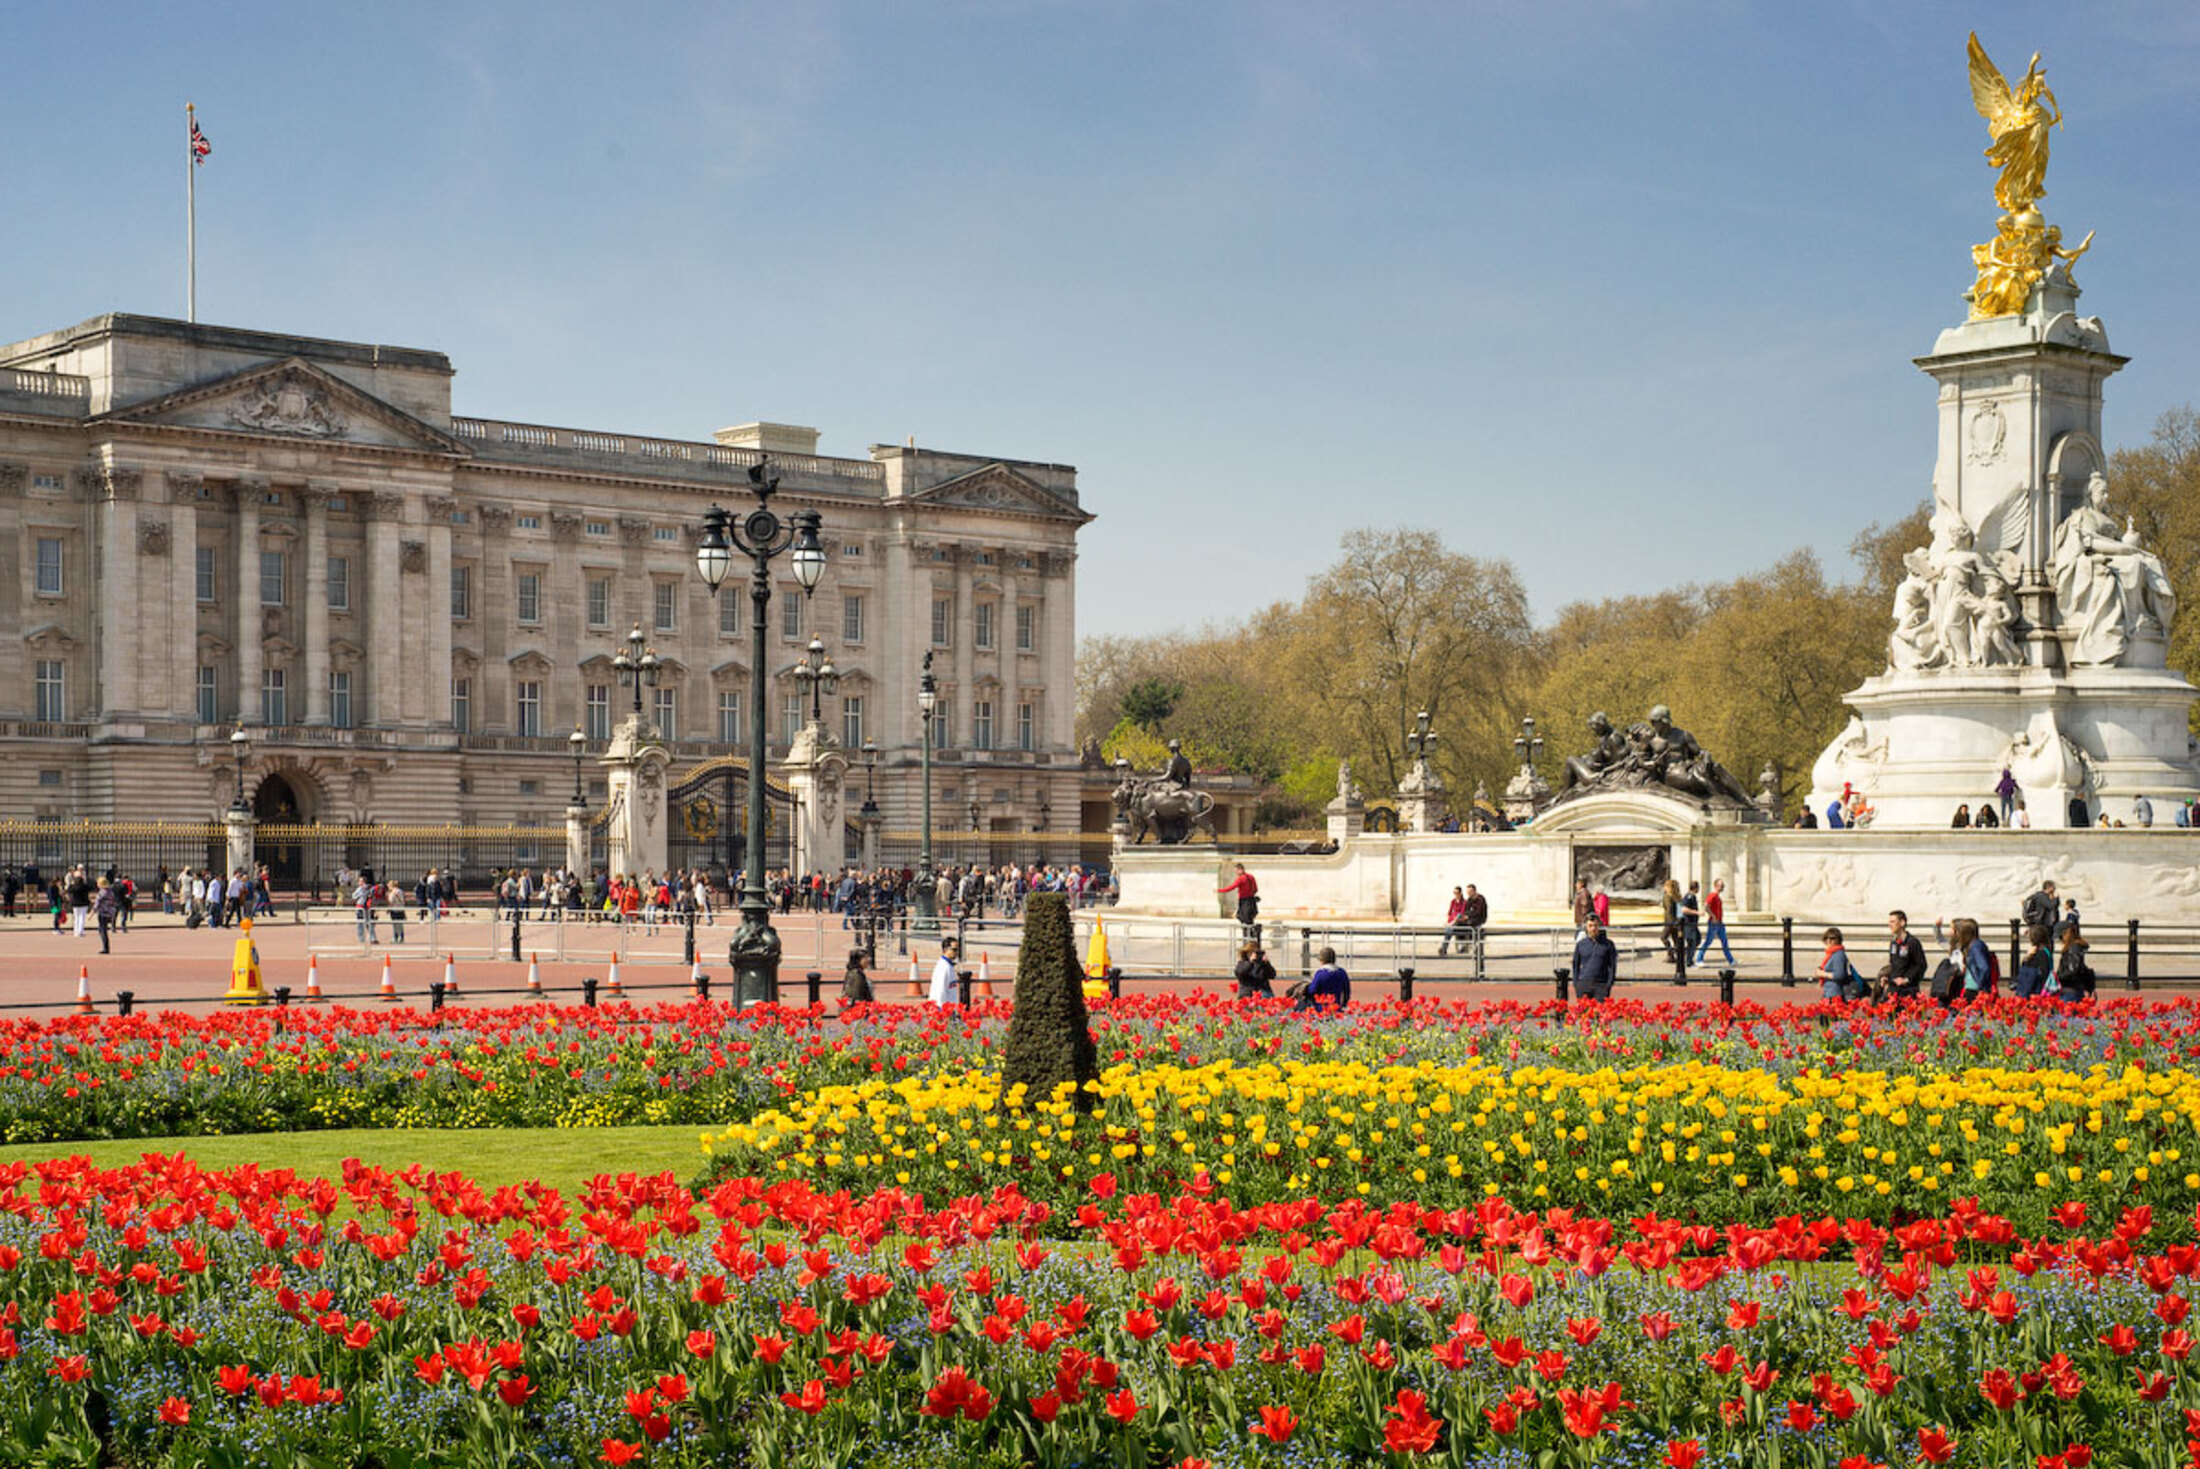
(943, 975)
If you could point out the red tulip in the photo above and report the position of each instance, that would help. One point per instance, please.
(1276, 1424)
(175, 1411)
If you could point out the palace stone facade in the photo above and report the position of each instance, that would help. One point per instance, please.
(411, 611)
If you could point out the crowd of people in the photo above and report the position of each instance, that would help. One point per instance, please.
(102, 904)
(2054, 964)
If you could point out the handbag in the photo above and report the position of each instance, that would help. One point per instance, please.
(1947, 980)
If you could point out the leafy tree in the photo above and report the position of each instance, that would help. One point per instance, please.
(1049, 1041)
(1150, 701)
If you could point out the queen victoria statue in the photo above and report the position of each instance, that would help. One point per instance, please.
(2110, 592)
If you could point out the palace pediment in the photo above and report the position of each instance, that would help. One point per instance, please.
(290, 399)
(1000, 488)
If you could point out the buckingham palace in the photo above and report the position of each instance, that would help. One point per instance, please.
(204, 528)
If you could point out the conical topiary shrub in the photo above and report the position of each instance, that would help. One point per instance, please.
(1049, 1034)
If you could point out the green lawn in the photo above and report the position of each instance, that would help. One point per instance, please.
(564, 1158)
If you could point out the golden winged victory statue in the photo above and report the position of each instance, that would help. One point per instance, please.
(2025, 247)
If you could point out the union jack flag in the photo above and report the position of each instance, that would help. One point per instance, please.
(199, 146)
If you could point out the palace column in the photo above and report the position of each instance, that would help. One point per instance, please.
(115, 491)
(183, 594)
(964, 629)
(248, 495)
(1059, 640)
(385, 598)
(316, 497)
(438, 672)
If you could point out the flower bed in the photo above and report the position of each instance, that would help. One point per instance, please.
(256, 1071)
(162, 1315)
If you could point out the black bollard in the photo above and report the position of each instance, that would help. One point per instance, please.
(816, 983)
(435, 996)
(2016, 944)
(282, 997)
(962, 985)
(1115, 983)
(124, 999)
(588, 992)
(1787, 952)
(1559, 978)
(515, 935)
(1726, 986)
(688, 956)
(2131, 954)
(1405, 985)
(702, 989)
(1306, 952)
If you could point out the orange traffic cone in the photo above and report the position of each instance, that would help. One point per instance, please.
(695, 978)
(984, 990)
(84, 1004)
(916, 985)
(389, 984)
(534, 977)
(611, 985)
(450, 975)
(313, 979)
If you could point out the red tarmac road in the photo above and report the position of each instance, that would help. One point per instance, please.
(166, 966)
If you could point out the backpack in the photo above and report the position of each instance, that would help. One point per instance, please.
(1992, 982)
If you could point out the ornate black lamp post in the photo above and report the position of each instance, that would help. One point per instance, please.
(870, 772)
(636, 665)
(1046, 813)
(760, 535)
(577, 742)
(927, 913)
(816, 671)
(240, 749)
(1528, 744)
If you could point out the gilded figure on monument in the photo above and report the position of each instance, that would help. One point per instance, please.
(2019, 121)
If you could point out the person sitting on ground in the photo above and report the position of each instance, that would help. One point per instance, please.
(1596, 961)
(1986, 817)
(2074, 978)
(1256, 977)
(855, 983)
(1962, 820)
(2035, 977)
(1837, 977)
(1330, 988)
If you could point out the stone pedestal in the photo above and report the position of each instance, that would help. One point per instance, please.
(871, 824)
(1346, 817)
(815, 772)
(634, 783)
(1422, 799)
(239, 824)
(1526, 795)
(576, 840)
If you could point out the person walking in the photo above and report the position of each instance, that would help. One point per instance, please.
(2142, 810)
(1692, 917)
(1248, 901)
(362, 912)
(1714, 912)
(1582, 907)
(1837, 977)
(1600, 904)
(393, 898)
(2035, 976)
(80, 898)
(1669, 929)
(2040, 910)
(1596, 962)
(2005, 791)
(107, 905)
(2074, 978)
(1478, 917)
(942, 991)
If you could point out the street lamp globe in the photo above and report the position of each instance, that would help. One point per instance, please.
(713, 555)
(808, 556)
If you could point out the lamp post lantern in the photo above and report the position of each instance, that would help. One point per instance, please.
(817, 673)
(577, 742)
(927, 914)
(636, 665)
(240, 749)
(760, 535)
(870, 775)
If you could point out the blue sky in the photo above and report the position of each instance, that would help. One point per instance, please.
(1626, 293)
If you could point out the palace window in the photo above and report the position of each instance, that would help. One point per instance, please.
(943, 719)
(274, 697)
(462, 704)
(339, 584)
(851, 722)
(52, 691)
(339, 698)
(790, 711)
(598, 711)
(599, 602)
(272, 578)
(528, 596)
(982, 629)
(1027, 628)
(530, 708)
(599, 527)
(668, 713)
(49, 566)
(851, 619)
(667, 606)
(981, 724)
(729, 718)
(530, 522)
(462, 593)
(203, 564)
(729, 614)
(790, 614)
(665, 532)
(1026, 726)
(210, 706)
(943, 621)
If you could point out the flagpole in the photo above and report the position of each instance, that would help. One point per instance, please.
(190, 217)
